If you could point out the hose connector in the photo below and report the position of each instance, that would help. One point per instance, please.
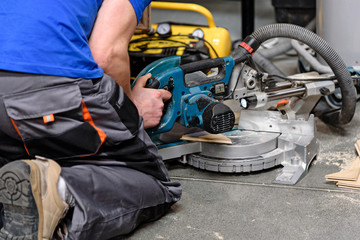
(246, 49)
(250, 44)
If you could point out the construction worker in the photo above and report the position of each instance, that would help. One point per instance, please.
(88, 170)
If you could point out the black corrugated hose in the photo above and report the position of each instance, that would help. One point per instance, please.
(321, 47)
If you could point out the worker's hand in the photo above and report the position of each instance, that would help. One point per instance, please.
(149, 102)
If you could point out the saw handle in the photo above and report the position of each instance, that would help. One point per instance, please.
(155, 84)
(202, 65)
(152, 83)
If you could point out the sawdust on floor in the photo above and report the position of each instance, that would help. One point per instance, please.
(339, 159)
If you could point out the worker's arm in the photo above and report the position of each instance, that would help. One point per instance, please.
(109, 40)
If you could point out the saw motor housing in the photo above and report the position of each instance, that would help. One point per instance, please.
(195, 88)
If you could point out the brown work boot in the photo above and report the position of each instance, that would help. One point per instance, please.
(32, 205)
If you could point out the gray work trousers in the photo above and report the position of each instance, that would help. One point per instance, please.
(94, 132)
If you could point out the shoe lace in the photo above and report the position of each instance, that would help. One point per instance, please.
(62, 231)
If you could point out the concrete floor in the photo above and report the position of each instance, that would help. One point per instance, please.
(250, 206)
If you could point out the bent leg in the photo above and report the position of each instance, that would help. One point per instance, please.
(129, 183)
(114, 200)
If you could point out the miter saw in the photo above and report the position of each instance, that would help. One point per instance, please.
(275, 126)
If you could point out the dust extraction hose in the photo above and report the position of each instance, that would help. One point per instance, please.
(320, 46)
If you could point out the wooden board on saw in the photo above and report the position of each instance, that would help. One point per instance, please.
(206, 137)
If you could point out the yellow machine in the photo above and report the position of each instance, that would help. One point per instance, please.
(192, 42)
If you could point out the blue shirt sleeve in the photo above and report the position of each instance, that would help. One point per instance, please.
(139, 7)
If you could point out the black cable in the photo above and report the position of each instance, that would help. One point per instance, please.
(253, 64)
(237, 80)
(203, 39)
(158, 39)
(162, 47)
(208, 43)
(154, 38)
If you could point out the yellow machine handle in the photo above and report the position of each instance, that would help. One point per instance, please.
(186, 7)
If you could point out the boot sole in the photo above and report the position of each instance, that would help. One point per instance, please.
(20, 193)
